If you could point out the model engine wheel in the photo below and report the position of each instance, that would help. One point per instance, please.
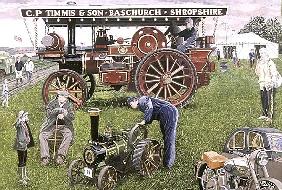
(65, 80)
(75, 171)
(107, 178)
(167, 74)
(147, 157)
(146, 40)
(136, 134)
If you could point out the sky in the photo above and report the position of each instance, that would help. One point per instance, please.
(239, 12)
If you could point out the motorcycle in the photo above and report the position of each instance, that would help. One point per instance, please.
(248, 172)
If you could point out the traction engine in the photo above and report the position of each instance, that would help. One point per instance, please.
(111, 155)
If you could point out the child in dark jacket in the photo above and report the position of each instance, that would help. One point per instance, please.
(23, 141)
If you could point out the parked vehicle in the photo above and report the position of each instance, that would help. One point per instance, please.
(6, 63)
(242, 143)
(248, 172)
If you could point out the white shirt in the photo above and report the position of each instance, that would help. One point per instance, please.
(29, 66)
(266, 71)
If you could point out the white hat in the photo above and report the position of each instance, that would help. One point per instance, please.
(22, 113)
(63, 93)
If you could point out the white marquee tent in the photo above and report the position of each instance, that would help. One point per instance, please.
(245, 42)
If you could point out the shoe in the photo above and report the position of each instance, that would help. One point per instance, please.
(60, 160)
(25, 175)
(45, 161)
(21, 172)
(268, 119)
(262, 117)
(23, 182)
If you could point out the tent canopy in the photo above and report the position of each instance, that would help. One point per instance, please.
(243, 43)
(245, 38)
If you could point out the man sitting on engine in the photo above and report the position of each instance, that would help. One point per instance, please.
(60, 115)
(173, 31)
(189, 34)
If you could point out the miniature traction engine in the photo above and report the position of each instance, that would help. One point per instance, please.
(111, 155)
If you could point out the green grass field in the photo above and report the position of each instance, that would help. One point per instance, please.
(230, 101)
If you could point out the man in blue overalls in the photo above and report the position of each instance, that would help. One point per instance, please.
(167, 114)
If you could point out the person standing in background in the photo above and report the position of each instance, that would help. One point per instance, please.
(5, 94)
(252, 57)
(235, 58)
(19, 70)
(218, 54)
(29, 66)
(269, 80)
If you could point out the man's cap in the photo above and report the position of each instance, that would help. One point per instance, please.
(22, 114)
(63, 93)
(189, 20)
(131, 99)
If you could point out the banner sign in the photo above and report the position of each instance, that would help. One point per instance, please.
(119, 12)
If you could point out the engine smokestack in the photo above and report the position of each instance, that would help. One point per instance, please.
(94, 118)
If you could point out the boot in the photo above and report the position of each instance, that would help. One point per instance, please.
(21, 176)
(25, 174)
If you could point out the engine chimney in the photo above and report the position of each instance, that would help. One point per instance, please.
(94, 117)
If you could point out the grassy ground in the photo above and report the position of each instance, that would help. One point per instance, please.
(230, 101)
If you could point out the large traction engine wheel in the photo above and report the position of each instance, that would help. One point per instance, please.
(75, 171)
(67, 80)
(147, 157)
(107, 178)
(167, 74)
(146, 40)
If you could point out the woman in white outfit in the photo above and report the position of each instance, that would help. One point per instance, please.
(29, 66)
(269, 80)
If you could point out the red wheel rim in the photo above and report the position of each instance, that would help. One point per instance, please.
(167, 74)
(65, 80)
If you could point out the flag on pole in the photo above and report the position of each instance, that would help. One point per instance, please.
(18, 38)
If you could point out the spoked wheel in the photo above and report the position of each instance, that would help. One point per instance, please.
(267, 184)
(208, 179)
(136, 134)
(146, 40)
(91, 84)
(147, 157)
(75, 171)
(167, 74)
(65, 80)
(107, 178)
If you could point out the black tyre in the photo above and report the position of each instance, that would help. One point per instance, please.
(147, 157)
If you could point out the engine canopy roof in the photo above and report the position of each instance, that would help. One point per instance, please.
(121, 15)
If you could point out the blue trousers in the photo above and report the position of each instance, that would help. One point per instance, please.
(168, 125)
